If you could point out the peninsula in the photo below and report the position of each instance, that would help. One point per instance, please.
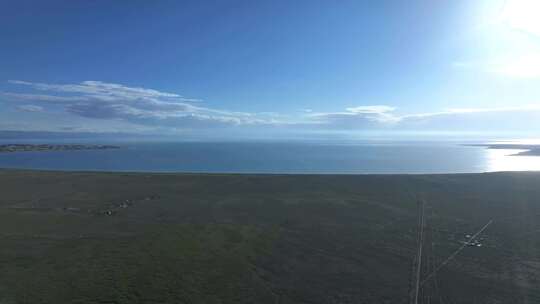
(528, 150)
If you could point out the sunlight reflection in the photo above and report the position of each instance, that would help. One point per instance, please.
(506, 160)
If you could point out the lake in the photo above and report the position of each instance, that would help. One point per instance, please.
(281, 157)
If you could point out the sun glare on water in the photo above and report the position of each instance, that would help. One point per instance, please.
(508, 160)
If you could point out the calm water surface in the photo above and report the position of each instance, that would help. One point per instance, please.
(267, 157)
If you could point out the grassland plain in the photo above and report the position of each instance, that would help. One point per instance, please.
(83, 237)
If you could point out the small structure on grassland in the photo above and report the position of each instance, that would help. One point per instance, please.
(472, 243)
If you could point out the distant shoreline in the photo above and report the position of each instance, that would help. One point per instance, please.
(530, 150)
(12, 148)
(264, 158)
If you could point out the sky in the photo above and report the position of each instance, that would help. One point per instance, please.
(259, 69)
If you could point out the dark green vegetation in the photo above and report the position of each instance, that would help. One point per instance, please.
(165, 238)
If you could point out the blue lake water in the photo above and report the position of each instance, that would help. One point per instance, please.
(272, 157)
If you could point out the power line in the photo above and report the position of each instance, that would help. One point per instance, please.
(419, 252)
(453, 255)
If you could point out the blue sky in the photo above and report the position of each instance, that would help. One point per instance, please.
(261, 67)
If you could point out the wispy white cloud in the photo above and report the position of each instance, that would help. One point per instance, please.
(99, 89)
(464, 111)
(30, 108)
(357, 117)
(101, 100)
(378, 109)
(148, 108)
(522, 118)
(387, 118)
(41, 97)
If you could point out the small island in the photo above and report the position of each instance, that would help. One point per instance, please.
(10, 148)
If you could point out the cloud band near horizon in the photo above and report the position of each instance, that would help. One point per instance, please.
(150, 107)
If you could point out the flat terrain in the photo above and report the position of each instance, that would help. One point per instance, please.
(186, 238)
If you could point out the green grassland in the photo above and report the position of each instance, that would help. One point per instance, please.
(203, 238)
